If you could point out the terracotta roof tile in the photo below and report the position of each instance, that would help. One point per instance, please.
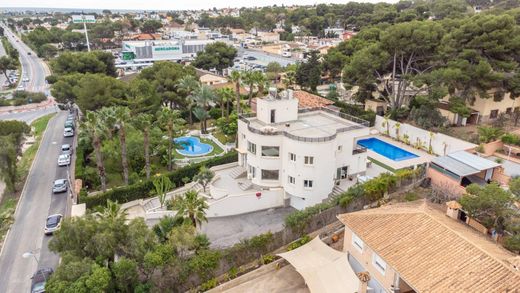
(432, 252)
(308, 100)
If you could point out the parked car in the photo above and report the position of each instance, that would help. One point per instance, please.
(39, 279)
(66, 149)
(25, 78)
(60, 185)
(28, 53)
(69, 124)
(63, 160)
(52, 224)
(68, 132)
(20, 88)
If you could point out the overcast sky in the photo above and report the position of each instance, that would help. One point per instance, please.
(163, 4)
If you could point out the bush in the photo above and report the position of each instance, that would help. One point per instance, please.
(298, 221)
(215, 113)
(357, 111)
(212, 283)
(267, 259)
(145, 189)
(510, 138)
(299, 242)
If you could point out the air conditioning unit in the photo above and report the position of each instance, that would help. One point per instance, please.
(249, 176)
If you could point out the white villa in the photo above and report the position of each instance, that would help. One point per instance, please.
(305, 152)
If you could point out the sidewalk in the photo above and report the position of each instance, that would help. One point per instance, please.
(30, 107)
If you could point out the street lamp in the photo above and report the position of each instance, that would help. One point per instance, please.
(28, 254)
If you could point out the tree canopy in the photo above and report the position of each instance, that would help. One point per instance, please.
(217, 56)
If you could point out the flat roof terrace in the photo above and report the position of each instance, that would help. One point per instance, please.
(313, 124)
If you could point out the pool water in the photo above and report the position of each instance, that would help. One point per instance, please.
(192, 146)
(386, 149)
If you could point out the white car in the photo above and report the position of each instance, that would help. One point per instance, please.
(63, 160)
(52, 224)
(68, 132)
(25, 78)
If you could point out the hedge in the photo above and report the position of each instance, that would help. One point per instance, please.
(145, 189)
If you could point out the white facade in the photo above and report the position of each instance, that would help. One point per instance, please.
(160, 50)
(305, 152)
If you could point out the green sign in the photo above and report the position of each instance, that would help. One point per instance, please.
(166, 48)
(83, 19)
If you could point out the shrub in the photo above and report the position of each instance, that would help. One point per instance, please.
(357, 111)
(510, 138)
(267, 259)
(299, 242)
(210, 284)
(411, 196)
(298, 221)
(145, 189)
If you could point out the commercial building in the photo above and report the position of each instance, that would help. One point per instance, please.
(161, 50)
(305, 152)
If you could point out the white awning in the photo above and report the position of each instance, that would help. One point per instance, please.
(323, 268)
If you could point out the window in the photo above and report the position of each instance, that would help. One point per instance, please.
(273, 116)
(309, 160)
(379, 263)
(509, 110)
(251, 147)
(291, 180)
(292, 157)
(270, 151)
(252, 171)
(357, 242)
(340, 147)
(269, 174)
(493, 114)
(307, 183)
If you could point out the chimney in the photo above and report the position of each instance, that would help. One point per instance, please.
(272, 93)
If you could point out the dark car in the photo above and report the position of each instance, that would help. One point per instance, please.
(39, 279)
(28, 53)
(52, 224)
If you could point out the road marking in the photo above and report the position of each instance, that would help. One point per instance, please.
(54, 142)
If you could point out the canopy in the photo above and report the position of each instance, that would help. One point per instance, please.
(323, 268)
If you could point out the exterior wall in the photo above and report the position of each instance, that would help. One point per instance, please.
(365, 259)
(445, 182)
(485, 106)
(245, 203)
(450, 116)
(372, 105)
(286, 110)
(500, 177)
(441, 144)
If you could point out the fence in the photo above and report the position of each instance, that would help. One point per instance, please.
(441, 144)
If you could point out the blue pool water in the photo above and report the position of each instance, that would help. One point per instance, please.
(191, 146)
(385, 149)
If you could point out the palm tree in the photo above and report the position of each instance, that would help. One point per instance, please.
(144, 123)
(122, 116)
(225, 96)
(236, 77)
(162, 185)
(204, 98)
(261, 82)
(171, 121)
(188, 85)
(94, 129)
(250, 80)
(190, 206)
(112, 212)
(289, 79)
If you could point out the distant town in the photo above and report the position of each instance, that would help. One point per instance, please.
(357, 147)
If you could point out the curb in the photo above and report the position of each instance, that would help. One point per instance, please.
(25, 185)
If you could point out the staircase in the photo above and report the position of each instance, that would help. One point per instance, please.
(245, 185)
(152, 205)
(336, 191)
(237, 172)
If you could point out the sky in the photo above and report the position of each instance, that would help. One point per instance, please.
(163, 4)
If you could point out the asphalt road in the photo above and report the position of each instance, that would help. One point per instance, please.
(36, 70)
(36, 203)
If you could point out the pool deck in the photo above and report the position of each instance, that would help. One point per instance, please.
(422, 156)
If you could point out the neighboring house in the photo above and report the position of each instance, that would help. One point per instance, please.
(453, 118)
(338, 31)
(455, 171)
(209, 78)
(415, 247)
(144, 37)
(305, 151)
(269, 37)
(487, 109)
(378, 106)
(305, 100)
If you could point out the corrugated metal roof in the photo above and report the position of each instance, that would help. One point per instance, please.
(455, 166)
(474, 161)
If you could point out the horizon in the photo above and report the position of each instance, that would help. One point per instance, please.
(158, 5)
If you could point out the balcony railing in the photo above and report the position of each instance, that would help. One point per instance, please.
(360, 123)
(359, 150)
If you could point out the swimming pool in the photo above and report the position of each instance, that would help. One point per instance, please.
(192, 146)
(385, 149)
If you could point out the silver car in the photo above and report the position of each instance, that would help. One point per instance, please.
(68, 132)
(64, 160)
(66, 149)
(52, 224)
(60, 185)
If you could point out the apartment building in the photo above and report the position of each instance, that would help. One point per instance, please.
(304, 151)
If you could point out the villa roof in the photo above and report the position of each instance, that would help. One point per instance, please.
(463, 163)
(432, 252)
(308, 100)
